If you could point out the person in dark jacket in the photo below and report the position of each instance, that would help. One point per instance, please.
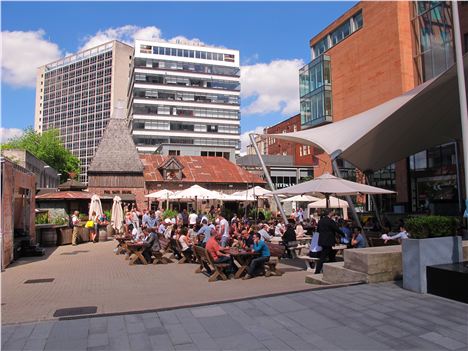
(327, 229)
(288, 236)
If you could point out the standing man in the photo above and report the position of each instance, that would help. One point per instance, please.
(75, 223)
(327, 229)
(223, 230)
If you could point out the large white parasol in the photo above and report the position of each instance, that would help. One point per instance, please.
(95, 206)
(117, 214)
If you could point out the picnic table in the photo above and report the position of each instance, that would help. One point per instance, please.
(243, 257)
(121, 243)
(135, 250)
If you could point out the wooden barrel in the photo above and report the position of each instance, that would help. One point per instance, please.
(102, 234)
(49, 237)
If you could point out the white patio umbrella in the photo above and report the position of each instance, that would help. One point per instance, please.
(95, 206)
(328, 184)
(301, 198)
(117, 214)
(196, 192)
(256, 191)
(333, 202)
(161, 195)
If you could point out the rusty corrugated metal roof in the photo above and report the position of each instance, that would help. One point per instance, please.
(199, 169)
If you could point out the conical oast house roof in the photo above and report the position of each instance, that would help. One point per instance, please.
(116, 152)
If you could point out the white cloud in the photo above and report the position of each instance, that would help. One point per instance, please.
(245, 139)
(274, 87)
(128, 33)
(23, 53)
(9, 133)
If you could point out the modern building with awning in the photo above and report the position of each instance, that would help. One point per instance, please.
(380, 97)
(426, 116)
(423, 117)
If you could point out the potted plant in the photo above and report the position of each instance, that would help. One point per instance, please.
(433, 241)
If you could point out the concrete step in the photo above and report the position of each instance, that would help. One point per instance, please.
(316, 279)
(336, 273)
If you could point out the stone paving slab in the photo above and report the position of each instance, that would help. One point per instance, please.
(227, 326)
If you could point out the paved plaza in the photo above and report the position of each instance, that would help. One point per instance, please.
(92, 275)
(360, 317)
(135, 310)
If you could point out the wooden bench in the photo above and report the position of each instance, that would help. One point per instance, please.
(166, 249)
(307, 260)
(200, 255)
(276, 252)
(216, 268)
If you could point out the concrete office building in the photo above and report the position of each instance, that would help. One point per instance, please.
(375, 52)
(185, 100)
(77, 94)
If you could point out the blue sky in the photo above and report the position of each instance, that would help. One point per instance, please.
(272, 38)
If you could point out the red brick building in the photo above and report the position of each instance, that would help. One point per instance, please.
(302, 154)
(374, 52)
(180, 172)
(18, 207)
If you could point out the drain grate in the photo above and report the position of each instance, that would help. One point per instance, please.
(43, 280)
(74, 311)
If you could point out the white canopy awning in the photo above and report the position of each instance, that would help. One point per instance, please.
(333, 202)
(301, 198)
(426, 116)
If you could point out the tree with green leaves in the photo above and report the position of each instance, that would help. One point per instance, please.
(47, 147)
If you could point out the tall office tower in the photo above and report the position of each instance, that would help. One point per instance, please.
(185, 100)
(77, 94)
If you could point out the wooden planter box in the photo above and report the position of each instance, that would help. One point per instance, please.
(65, 236)
(417, 254)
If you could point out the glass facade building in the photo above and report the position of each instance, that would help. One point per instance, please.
(75, 95)
(315, 92)
(185, 99)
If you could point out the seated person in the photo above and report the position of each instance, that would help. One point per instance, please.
(288, 236)
(358, 240)
(264, 232)
(205, 230)
(218, 253)
(314, 249)
(152, 244)
(403, 234)
(299, 230)
(185, 243)
(258, 264)
(134, 232)
(247, 239)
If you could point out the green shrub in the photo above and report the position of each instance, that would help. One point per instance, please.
(60, 220)
(42, 218)
(170, 214)
(431, 226)
(108, 214)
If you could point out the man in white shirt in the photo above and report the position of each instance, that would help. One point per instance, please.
(193, 218)
(279, 228)
(75, 223)
(401, 235)
(223, 230)
(263, 232)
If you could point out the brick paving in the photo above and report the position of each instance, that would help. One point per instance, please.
(361, 317)
(92, 275)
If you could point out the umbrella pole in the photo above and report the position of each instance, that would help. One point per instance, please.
(348, 198)
(267, 176)
(374, 203)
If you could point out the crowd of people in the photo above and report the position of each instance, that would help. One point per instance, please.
(213, 231)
